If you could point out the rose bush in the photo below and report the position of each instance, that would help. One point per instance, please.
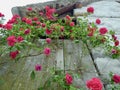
(20, 33)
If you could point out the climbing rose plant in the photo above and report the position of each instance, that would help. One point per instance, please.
(20, 34)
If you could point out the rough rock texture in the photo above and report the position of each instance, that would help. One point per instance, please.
(109, 13)
(108, 22)
(102, 9)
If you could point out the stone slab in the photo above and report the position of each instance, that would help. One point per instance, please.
(109, 13)
(102, 9)
(109, 23)
(16, 76)
(105, 64)
(78, 60)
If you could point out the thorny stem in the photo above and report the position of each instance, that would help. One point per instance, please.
(31, 55)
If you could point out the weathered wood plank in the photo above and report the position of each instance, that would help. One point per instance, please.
(17, 76)
(66, 56)
(104, 63)
(10, 73)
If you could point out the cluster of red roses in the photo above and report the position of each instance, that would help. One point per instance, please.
(15, 39)
(93, 83)
(49, 13)
(103, 31)
(19, 35)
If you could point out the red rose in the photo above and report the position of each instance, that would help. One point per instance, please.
(114, 51)
(103, 30)
(48, 32)
(27, 31)
(41, 13)
(14, 54)
(29, 21)
(11, 40)
(71, 31)
(47, 51)
(98, 21)
(90, 10)
(13, 19)
(116, 43)
(68, 79)
(1, 15)
(15, 16)
(49, 12)
(38, 67)
(48, 40)
(43, 25)
(8, 26)
(72, 24)
(68, 17)
(24, 19)
(94, 84)
(90, 34)
(116, 78)
(38, 22)
(114, 37)
(20, 39)
(35, 19)
(29, 8)
(11, 43)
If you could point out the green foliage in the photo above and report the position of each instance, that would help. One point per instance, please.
(32, 75)
(1, 81)
(72, 88)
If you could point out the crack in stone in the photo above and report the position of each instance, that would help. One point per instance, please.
(95, 65)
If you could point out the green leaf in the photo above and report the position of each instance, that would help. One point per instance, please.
(2, 82)
(41, 88)
(48, 83)
(77, 41)
(32, 75)
(111, 32)
(72, 88)
(55, 15)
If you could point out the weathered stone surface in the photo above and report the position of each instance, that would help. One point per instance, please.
(102, 9)
(66, 56)
(107, 65)
(78, 60)
(109, 23)
(109, 13)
